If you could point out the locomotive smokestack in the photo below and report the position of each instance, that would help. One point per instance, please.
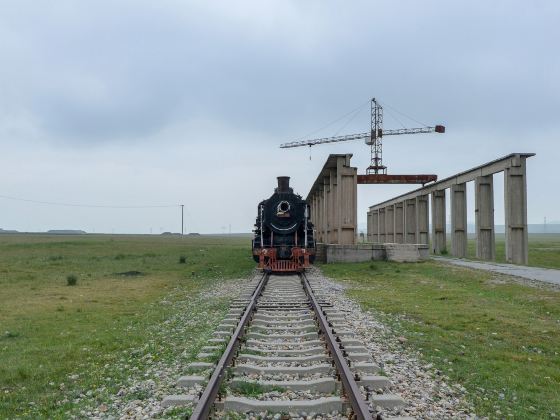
(283, 184)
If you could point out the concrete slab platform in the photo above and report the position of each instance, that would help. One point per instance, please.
(546, 275)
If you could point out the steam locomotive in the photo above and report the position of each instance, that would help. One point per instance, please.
(283, 239)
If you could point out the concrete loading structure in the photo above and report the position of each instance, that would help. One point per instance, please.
(405, 219)
(333, 200)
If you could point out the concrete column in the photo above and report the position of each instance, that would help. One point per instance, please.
(313, 212)
(390, 224)
(515, 207)
(347, 179)
(326, 210)
(422, 219)
(319, 225)
(410, 221)
(375, 226)
(334, 209)
(484, 217)
(438, 222)
(399, 222)
(381, 226)
(459, 220)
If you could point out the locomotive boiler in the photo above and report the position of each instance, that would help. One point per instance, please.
(283, 231)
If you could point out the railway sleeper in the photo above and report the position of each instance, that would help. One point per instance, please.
(325, 385)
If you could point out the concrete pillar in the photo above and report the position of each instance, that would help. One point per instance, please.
(399, 222)
(390, 224)
(422, 219)
(484, 217)
(438, 222)
(381, 226)
(313, 214)
(515, 207)
(326, 210)
(333, 208)
(375, 226)
(459, 220)
(347, 200)
(321, 209)
(410, 221)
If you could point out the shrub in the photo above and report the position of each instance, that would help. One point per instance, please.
(182, 259)
(71, 280)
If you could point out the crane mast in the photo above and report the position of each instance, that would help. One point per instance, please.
(373, 138)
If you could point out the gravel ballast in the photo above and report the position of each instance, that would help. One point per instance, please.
(427, 394)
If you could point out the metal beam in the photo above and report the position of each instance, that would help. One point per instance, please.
(395, 179)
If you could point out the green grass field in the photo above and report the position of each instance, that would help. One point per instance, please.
(58, 342)
(499, 339)
(49, 330)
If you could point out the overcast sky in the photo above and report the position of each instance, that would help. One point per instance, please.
(144, 103)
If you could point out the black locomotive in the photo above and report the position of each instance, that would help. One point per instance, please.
(283, 231)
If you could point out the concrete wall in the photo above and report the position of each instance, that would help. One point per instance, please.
(405, 218)
(374, 252)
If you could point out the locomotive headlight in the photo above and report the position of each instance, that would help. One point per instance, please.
(283, 207)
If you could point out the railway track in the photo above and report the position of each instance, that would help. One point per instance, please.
(284, 352)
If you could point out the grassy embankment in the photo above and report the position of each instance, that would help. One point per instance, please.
(49, 330)
(499, 339)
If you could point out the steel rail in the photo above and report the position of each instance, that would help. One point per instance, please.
(204, 405)
(359, 405)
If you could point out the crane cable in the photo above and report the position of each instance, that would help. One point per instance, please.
(359, 108)
(402, 113)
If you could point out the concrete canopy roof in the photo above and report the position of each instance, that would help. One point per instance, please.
(485, 169)
(331, 163)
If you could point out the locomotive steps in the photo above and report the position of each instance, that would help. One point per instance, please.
(282, 361)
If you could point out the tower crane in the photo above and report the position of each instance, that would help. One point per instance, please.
(374, 139)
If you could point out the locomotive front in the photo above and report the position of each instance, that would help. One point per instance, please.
(283, 231)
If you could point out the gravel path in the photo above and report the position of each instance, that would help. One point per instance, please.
(529, 274)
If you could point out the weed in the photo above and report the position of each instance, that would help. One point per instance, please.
(182, 259)
(254, 389)
(71, 280)
(9, 334)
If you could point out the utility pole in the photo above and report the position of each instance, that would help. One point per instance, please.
(182, 219)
